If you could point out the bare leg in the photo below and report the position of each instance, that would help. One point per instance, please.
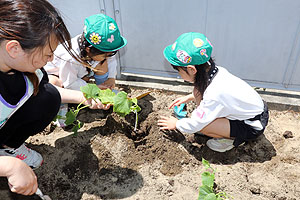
(219, 128)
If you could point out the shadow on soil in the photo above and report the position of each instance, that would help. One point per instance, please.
(71, 170)
(260, 150)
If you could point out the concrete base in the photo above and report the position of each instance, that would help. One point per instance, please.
(277, 99)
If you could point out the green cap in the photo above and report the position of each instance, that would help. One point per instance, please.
(189, 49)
(102, 32)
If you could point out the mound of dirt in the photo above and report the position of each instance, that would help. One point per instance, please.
(109, 160)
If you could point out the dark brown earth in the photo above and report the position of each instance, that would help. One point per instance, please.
(109, 160)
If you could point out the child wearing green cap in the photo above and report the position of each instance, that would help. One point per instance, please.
(228, 109)
(95, 48)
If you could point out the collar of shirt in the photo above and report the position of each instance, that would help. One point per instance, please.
(212, 73)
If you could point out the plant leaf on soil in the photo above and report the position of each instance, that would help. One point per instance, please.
(90, 91)
(70, 117)
(204, 190)
(208, 179)
(122, 104)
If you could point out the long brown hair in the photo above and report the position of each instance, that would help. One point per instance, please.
(31, 23)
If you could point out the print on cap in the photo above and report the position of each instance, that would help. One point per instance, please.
(183, 56)
(112, 27)
(111, 39)
(95, 38)
(198, 42)
(203, 52)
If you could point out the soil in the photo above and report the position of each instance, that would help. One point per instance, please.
(107, 159)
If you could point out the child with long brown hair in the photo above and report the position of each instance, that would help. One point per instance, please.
(29, 33)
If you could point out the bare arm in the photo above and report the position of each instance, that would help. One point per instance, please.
(181, 100)
(21, 178)
(74, 96)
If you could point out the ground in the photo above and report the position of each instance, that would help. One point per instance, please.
(109, 160)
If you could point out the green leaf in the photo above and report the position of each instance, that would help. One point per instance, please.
(204, 190)
(205, 163)
(208, 179)
(122, 104)
(90, 91)
(107, 96)
(58, 117)
(210, 196)
(222, 196)
(135, 108)
(70, 117)
(76, 127)
(134, 100)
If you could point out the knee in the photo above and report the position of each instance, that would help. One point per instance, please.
(55, 81)
(49, 99)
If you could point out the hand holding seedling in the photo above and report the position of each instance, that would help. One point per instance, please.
(96, 104)
(95, 98)
(182, 100)
(167, 123)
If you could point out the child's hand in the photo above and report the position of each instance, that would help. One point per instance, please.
(110, 83)
(102, 87)
(181, 100)
(96, 104)
(21, 178)
(167, 123)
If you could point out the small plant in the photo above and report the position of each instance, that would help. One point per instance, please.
(206, 191)
(122, 105)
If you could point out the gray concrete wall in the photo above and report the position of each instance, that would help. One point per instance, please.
(257, 40)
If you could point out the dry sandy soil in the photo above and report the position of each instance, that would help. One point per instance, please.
(108, 160)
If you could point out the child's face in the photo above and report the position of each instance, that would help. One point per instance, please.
(41, 56)
(30, 61)
(187, 75)
(102, 57)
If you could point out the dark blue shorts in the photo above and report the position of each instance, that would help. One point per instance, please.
(242, 132)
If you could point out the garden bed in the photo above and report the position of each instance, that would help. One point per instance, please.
(109, 160)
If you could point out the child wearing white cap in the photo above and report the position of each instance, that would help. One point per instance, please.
(95, 48)
(228, 109)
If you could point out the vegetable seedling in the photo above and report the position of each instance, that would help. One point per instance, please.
(206, 191)
(122, 104)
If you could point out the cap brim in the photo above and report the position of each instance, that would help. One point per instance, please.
(123, 44)
(168, 53)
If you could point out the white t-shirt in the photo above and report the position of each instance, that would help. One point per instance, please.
(70, 71)
(226, 96)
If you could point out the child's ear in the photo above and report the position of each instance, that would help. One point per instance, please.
(88, 49)
(192, 69)
(14, 49)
